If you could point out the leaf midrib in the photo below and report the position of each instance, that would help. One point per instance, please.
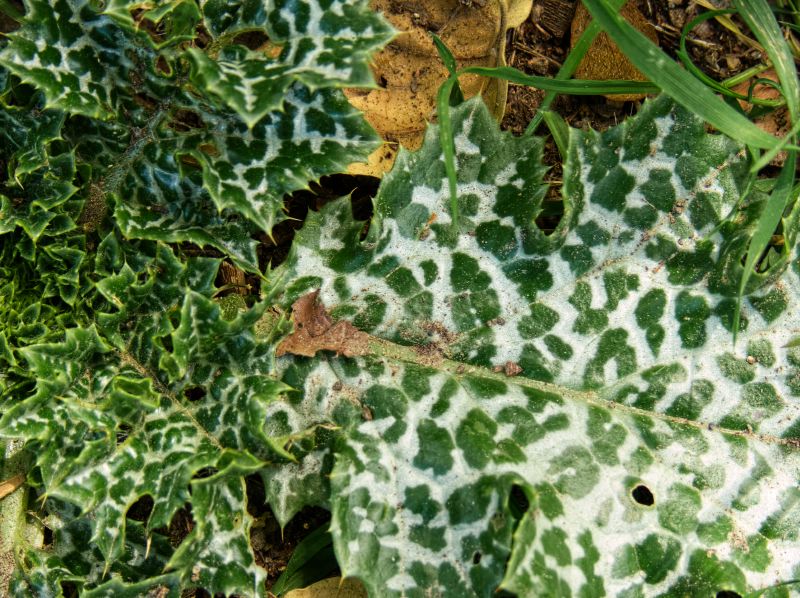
(378, 347)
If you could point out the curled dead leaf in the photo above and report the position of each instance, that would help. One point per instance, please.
(409, 71)
(315, 330)
(775, 122)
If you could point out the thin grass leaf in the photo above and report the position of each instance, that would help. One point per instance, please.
(577, 87)
(686, 60)
(675, 81)
(569, 67)
(768, 221)
(558, 129)
(758, 16)
(448, 143)
(456, 96)
(311, 561)
(744, 75)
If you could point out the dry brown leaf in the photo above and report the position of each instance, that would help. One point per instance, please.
(314, 330)
(409, 70)
(8, 486)
(333, 587)
(603, 59)
(776, 122)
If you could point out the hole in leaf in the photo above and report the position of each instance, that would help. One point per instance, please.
(181, 525)
(194, 393)
(382, 82)
(47, 536)
(252, 40)
(7, 24)
(162, 66)
(552, 207)
(123, 431)
(206, 472)
(184, 121)
(476, 558)
(166, 341)
(518, 502)
(141, 509)
(69, 588)
(642, 495)
(728, 594)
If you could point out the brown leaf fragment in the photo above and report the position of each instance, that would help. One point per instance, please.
(315, 330)
(604, 60)
(512, 369)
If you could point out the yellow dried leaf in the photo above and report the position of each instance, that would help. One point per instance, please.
(409, 70)
(333, 587)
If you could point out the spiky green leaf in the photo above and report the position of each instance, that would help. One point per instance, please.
(629, 386)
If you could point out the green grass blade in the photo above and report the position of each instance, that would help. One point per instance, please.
(559, 130)
(767, 223)
(568, 68)
(758, 16)
(456, 96)
(448, 143)
(573, 87)
(675, 81)
(311, 561)
(686, 60)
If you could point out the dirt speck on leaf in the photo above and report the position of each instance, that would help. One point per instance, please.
(315, 330)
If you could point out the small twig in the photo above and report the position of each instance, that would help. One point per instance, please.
(8, 486)
(528, 50)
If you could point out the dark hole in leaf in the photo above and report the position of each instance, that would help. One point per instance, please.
(123, 430)
(47, 536)
(518, 502)
(162, 66)
(184, 121)
(642, 495)
(552, 206)
(360, 188)
(194, 393)
(252, 40)
(382, 82)
(180, 526)
(476, 558)
(728, 594)
(206, 472)
(69, 588)
(166, 341)
(8, 24)
(141, 509)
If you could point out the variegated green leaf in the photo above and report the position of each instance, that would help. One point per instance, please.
(78, 56)
(171, 390)
(71, 559)
(318, 45)
(655, 456)
(250, 170)
(289, 128)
